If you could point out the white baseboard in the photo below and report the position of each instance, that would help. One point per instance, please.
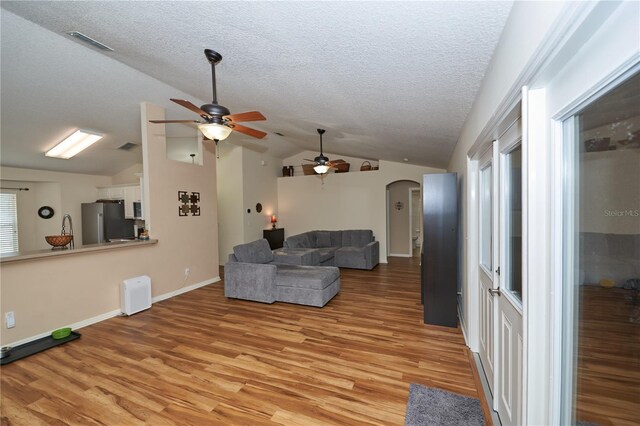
(116, 312)
(399, 255)
(463, 326)
(184, 290)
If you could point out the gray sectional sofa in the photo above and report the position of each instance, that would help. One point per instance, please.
(252, 274)
(354, 248)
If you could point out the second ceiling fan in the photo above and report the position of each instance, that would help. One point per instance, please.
(322, 163)
(218, 122)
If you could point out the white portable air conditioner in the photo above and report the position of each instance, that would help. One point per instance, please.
(135, 295)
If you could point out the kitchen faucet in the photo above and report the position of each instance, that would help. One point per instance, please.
(64, 232)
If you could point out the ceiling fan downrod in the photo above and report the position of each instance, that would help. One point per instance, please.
(214, 58)
(321, 159)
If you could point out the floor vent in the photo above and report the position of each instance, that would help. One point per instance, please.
(135, 295)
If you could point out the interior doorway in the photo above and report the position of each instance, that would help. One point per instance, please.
(400, 226)
(415, 215)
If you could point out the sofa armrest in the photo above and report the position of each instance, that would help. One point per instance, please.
(250, 281)
(372, 254)
(366, 257)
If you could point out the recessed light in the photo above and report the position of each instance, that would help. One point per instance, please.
(86, 39)
(405, 159)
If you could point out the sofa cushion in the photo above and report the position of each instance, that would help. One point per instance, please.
(254, 252)
(312, 277)
(336, 238)
(326, 253)
(299, 241)
(323, 239)
(357, 237)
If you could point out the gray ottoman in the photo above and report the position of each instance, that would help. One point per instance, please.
(307, 285)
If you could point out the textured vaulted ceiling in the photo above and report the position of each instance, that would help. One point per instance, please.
(388, 80)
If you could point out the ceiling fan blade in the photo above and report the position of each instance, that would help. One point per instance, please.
(312, 161)
(173, 121)
(245, 116)
(188, 105)
(248, 131)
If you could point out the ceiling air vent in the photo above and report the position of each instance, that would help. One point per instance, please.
(89, 40)
(127, 146)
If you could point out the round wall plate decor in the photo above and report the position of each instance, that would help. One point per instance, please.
(259, 207)
(45, 212)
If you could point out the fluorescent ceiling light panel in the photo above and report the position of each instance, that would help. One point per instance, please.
(80, 140)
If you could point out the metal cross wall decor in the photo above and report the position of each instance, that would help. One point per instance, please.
(188, 203)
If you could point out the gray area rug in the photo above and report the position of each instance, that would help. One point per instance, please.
(430, 406)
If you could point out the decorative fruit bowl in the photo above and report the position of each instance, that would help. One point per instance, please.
(59, 241)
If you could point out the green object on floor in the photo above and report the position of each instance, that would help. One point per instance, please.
(61, 333)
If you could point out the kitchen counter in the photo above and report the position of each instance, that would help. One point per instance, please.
(42, 254)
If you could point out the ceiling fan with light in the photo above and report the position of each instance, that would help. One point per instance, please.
(322, 163)
(218, 122)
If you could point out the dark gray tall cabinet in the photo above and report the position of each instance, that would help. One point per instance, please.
(439, 273)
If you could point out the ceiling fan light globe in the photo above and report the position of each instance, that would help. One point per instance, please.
(321, 169)
(214, 131)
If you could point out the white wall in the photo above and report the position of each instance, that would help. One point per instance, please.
(343, 201)
(400, 230)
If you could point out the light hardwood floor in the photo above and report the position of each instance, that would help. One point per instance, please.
(202, 359)
(608, 374)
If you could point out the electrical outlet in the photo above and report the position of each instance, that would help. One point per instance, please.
(187, 271)
(10, 319)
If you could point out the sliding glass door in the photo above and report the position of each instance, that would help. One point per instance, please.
(601, 258)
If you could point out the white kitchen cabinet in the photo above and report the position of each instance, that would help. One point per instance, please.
(128, 193)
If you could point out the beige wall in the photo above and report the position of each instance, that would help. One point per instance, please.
(259, 186)
(343, 201)
(245, 178)
(230, 199)
(50, 293)
(399, 220)
(128, 175)
(65, 192)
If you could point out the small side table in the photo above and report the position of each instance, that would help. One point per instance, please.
(275, 237)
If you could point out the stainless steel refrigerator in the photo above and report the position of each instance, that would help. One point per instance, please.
(104, 221)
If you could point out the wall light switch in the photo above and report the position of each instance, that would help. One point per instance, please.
(10, 319)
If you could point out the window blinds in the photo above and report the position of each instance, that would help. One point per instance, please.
(8, 223)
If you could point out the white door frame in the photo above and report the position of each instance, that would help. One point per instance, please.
(602, 31)
(486, 277)
(411, 224)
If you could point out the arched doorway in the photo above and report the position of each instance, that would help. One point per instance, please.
(404, 213)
